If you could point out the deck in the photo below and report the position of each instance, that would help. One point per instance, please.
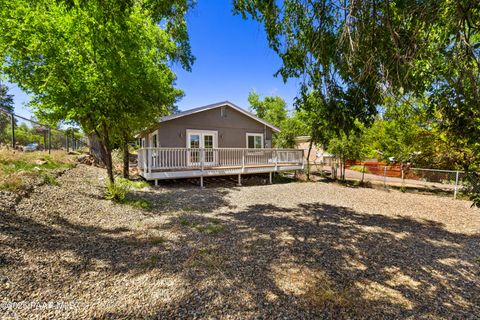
(172, 163)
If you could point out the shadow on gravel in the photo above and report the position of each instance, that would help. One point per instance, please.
(323, 261)
(182, 199)
(311, 261)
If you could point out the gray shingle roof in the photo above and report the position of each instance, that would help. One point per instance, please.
(216, 105)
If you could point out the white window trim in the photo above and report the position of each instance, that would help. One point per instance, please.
(202, 132)
(250, 134)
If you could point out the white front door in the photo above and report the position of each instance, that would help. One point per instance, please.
(201, 139)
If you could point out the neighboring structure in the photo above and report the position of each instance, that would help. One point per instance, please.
(217, 139)
(317, 154)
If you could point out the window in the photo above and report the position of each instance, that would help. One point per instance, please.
(143, 143)
(254, 140)
(154, 141)
(223, 112)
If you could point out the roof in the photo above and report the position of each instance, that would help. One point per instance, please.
(302, 138)
(217, 105)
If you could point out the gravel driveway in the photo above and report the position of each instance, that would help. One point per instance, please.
(293, 250)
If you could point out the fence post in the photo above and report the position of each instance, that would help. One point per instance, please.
(13, 131)
(363, 171)
(66, 141)
(456, 186)
(385, 176)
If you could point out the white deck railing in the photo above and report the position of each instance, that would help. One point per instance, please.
(195, 158)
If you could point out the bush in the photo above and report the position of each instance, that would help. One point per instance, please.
(117, 191)
(360, 169)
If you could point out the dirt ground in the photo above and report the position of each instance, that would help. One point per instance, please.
(287, 250)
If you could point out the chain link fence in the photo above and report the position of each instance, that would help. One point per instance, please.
(22, 134)
(454, 182)
(401, 176)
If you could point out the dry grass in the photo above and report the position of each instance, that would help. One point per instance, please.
(19, 170)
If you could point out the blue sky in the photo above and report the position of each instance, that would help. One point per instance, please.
(232, 58)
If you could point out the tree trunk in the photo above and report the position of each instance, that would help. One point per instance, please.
(308, 158)
(108, 152)
(126, 159)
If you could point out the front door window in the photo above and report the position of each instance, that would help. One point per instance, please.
(201, 140)
(194, 144)
(208, 145)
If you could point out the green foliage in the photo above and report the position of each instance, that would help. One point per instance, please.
(272, 109)
(49, 179)
(359, 169)
(353, 56)
(117, 191)
(102, 64)
(6, 100)
(138, 203)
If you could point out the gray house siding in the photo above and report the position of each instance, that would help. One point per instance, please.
(231, 125)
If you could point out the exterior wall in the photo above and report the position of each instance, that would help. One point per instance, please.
(317, 154)
(231, 129)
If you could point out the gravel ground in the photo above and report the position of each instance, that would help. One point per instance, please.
(293, 250)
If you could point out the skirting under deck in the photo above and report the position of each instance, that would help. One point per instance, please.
(217, 171)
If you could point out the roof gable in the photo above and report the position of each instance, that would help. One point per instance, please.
(217, 105)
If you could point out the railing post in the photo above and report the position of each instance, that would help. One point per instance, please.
(276, 160)
(149, 161)
(456, 185)
(144, 155)
(243, 160)
(13, 130)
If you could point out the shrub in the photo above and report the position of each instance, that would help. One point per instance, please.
(49, 179)
(117, 191)
(360, 169)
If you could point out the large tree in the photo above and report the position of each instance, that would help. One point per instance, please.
(357, 53)
(6, 104)
(102, 64)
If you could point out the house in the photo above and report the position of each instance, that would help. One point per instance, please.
(213, 140)
(317, 154)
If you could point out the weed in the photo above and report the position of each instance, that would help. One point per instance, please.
(213, 227)
(139, 203)
(49, 179)
(155, 240)
(11, 183)
(154, 259)
(117, 191)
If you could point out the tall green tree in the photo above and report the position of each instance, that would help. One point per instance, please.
(6, 104)
(272, 108)
(355, 53)
(102, 64)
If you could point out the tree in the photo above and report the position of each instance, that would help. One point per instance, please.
(102, 64)
(6, 104)
(359, 52)
(272, 109)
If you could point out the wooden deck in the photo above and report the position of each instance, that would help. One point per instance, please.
(173, 163)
